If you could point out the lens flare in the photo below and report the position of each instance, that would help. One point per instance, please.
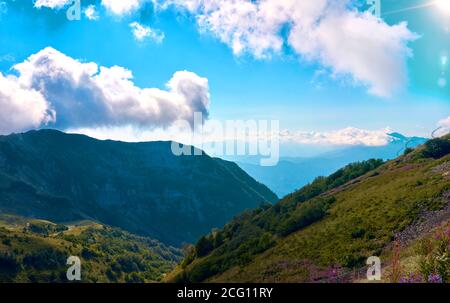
(444, 5)
(444, 61)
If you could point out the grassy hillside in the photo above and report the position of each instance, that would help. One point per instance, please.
(334, 224)
(37, 251)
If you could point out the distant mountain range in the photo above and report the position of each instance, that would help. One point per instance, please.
(125, 209)
(292, 173)
(139, 187)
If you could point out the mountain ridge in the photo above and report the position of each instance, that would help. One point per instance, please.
(140, 187)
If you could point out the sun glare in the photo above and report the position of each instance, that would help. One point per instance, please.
(444, 5)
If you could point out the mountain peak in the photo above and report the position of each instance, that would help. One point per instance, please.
(398, 136)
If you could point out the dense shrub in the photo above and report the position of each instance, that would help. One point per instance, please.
(9, 264)
(436, 148)
(358, 233)
(408, 151)
(60, 228)
(353, 261)
(42, 229)
(204, 246)
(111, 274)
(134, 278)
(88, 254)
(189, 256)
(45, 259)
(203, 271)
(306, 214)
(46, 228)
(130, 263)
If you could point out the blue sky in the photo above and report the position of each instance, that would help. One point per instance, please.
(303, 93)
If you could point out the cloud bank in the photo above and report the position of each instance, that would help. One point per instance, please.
(345, 136)
(54, 89)
(349, 136)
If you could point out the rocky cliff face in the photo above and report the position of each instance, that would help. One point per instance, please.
(140, 187)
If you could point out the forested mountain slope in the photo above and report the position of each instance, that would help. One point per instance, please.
(140, 187)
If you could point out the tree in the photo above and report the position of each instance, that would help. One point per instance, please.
(204, 246)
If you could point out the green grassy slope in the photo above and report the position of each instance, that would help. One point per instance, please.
(334, 223)
(37, 251)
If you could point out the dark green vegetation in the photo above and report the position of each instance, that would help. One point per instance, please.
(336, 221)
(38, 251)
(435, 148)
(142, 188)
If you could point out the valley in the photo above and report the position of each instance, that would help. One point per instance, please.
(323, 232)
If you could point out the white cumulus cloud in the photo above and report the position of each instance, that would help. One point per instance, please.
(51, 3)
(332, 33)
(121, 7)
(91, 13)
(116, 7)
(88, 95)
(141, 32)
(21, 107)
(348, 42)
